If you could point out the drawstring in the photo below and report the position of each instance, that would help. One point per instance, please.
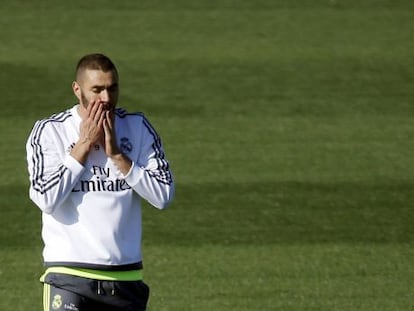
(99, 289)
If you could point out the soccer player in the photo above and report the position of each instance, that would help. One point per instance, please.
(89, 168)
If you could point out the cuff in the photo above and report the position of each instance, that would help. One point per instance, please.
(134, 175)
(73, 165)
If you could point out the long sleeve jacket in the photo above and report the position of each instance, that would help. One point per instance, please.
(91, 213)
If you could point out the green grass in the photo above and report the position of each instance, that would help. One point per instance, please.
(289, 277)
(288, 125)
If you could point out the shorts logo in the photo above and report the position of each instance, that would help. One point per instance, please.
(57, 302)
(71, 307)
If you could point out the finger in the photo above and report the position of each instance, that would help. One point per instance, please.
(100, 116)
(93, 109)
(108, 134)
(89, 109)
(96, 113)
(108, 117)
(107, 130)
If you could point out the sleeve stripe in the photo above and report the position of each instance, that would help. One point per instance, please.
(163, 174)
(39, 183)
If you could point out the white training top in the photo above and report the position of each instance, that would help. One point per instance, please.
(91, 213)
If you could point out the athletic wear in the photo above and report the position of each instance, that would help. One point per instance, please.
(91, 213)
(103, 275)
(67, 292)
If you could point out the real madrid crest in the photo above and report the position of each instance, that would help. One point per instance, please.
(126, 146)
(57, 302)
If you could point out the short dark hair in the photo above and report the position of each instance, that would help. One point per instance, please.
(95, 61)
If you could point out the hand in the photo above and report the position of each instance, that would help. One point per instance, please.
(109, 139)
(91, 130)
(91, 127)
(111, 148)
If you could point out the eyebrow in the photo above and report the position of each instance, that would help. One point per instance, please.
(103, 87)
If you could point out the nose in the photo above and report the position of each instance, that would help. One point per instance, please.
(104, 96)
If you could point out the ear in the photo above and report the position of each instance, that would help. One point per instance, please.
(76, 89)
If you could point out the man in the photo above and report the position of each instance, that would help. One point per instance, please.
(89, 167)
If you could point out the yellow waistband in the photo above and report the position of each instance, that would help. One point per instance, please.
(133, 275)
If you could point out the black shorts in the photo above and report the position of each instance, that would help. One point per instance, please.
(64, 292)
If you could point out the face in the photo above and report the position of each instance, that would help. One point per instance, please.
(96, 86)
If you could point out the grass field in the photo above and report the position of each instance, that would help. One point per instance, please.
(289, 128)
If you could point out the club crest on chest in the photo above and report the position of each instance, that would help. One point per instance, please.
(126, 145)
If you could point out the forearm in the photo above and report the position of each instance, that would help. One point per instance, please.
(55, 186)
(154, 186)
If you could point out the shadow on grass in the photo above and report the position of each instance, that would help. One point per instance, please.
(20, 219)
(252, 213)
(279, 213)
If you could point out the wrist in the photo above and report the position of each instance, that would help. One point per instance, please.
(122, 162)
(81, 150)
